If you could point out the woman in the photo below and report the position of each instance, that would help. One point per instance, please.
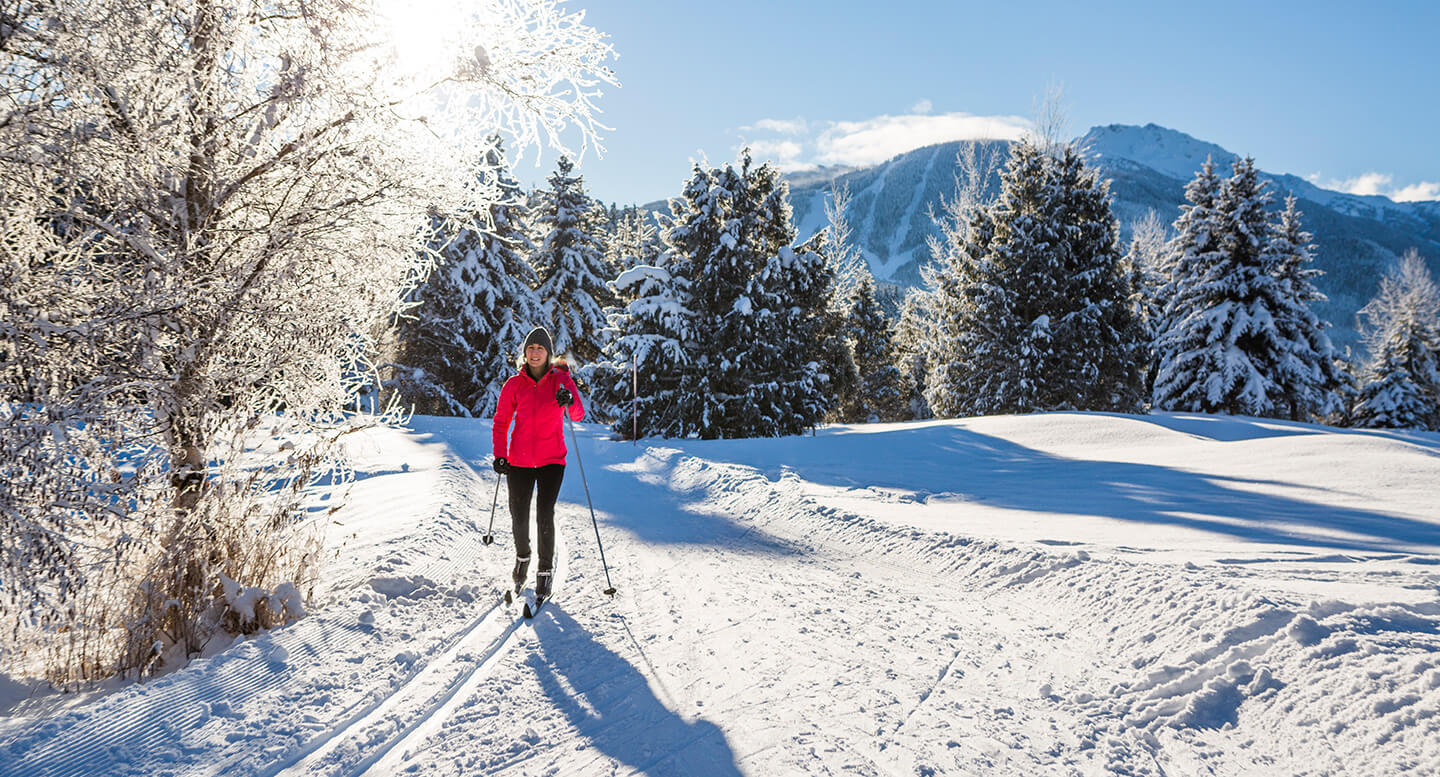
(534, 459)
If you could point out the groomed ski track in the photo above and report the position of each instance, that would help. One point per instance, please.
(775, 617)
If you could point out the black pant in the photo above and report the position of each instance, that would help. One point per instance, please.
(523, 481)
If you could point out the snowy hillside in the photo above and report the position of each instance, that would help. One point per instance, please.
(1163, 150)
(1050, 594)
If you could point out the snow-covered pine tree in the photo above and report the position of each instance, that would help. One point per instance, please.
(1310, 376)
(935, 333)
(634, 241)
(1400, 384)
(1033, 304)
(1097, 338)
(1221, 351)
(1196, 241)
(857, 351)
(750, 305)
(915, 331)
(457, 345)
(655, 332)
(1147, 262)
(792, 288)
(836, 348)
(946, 329)
(881, 394)
(731, 309)
(643, 378)
(570, 262)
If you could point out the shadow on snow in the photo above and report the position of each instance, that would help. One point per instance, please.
(652, 511)
(944, 460)
(951, 461)
(610, 703)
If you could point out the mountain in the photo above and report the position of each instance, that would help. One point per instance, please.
(892, 203)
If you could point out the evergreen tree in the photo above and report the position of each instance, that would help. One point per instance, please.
(1097, 336)
(1311, 376)
(571, 266)
(1401, 326)
(643, 379)
(946, 332)
(915, 332)
(836, 347)
(655, 332)
(881, 394)
(634, 241)
(476, 306)
(793, 287)
(1147, 262)
(1196, 243)
(728, 328)
(759, 300)
(1032, 301)
(1222, 351)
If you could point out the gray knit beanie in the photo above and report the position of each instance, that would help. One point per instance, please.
(538, 336)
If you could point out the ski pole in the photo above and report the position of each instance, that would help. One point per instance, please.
(489, 537)
(611, 590)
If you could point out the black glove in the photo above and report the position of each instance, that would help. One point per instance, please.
(502, 465)
(563, 397)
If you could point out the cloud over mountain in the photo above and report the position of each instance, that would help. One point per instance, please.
(806, 145)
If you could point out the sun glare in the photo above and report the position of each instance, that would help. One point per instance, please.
(423, 34)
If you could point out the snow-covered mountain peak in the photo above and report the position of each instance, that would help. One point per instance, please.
(1168, 151)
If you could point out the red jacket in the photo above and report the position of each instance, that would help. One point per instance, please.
(539, 437)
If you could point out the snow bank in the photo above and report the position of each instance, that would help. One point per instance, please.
(408, 574)
(1053, 594)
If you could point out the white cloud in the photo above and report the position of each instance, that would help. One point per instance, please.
(1382, 184)
(1369, 183)
(797, 144)
(875, 140)
(784, 153)
(780, 126)
(922, 107)
(1425, 190)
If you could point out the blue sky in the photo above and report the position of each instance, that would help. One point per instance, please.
(1343, 94)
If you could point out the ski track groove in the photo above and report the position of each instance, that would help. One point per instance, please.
(432, 719)
(374, 711)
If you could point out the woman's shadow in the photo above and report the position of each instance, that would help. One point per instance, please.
(609, 702)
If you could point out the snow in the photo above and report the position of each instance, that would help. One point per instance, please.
(641, 273)
(1048, 594)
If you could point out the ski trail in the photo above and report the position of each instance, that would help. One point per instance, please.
(391, 758)
(429, 690)
(874, 190)
(903, 231)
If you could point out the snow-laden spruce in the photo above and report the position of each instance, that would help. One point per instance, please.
(727, 327)
(915, 345)
(571, 265)
(835, 349)
(1236, 335)
(232, 196)
(879, 393)
(457, 346)
(642, 377)
(1400, 385)
(634, 240)
(1311, 376)
(1031, 303)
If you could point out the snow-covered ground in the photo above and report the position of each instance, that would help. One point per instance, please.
(1049, 594)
